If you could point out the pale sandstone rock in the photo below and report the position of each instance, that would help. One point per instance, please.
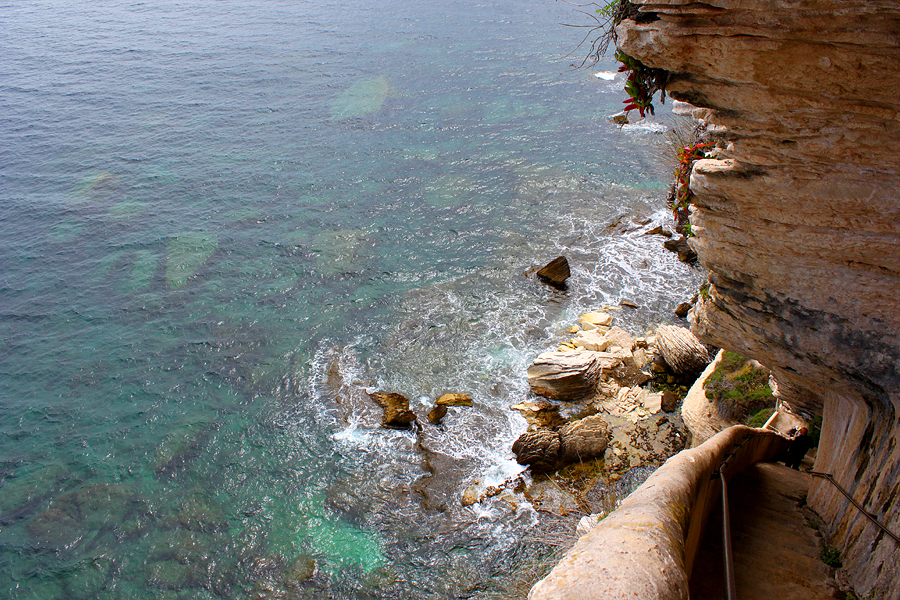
(585, 524)
(639, 550)
(699, 413)
(592, 340)
(620, 338)
(797, 221)
(683, 352)
(640, 358)
(568, 376)
(653, 402)
(596, 319)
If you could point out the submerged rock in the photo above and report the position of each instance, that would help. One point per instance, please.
(555, 272)
(396, 409)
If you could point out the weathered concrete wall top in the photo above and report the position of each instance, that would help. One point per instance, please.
(645, 549)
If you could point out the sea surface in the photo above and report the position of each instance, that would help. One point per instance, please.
(222, 222)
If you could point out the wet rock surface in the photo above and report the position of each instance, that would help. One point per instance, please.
(397, 414)
(455, 399)
(556, 272)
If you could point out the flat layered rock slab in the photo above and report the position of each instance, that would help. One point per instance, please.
(776, 554)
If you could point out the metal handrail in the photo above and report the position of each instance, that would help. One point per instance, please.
(730, 586)
(866, 513)
(726, 531)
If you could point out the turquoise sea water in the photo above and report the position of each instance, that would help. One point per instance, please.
(222, 222)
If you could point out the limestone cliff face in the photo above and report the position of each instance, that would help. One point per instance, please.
(798, 220)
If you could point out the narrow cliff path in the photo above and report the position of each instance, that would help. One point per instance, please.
(776, 553)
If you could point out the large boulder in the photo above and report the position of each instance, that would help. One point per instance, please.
(547, 450)
(681, 349)
(568, 376)
(584, 439)
(555, 272)
(538, 449)
(396, 409)
(575, 376)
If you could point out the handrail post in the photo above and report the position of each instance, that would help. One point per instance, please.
(726, 533)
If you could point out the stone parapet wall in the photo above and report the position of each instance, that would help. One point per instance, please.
(646, 548)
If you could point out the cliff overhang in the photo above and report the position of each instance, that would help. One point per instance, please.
(797, 219)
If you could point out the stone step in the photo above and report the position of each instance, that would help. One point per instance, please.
(776, 553)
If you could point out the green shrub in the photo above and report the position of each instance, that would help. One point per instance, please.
(739, 389)
(830, 556)
(760, 418)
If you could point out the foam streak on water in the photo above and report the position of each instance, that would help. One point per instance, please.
(221, 223)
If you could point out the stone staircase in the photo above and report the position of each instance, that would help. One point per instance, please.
(776, 551)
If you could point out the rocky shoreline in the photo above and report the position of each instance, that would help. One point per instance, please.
(605, 404)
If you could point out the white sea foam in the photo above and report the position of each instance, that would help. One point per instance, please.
(605, 75)
(645, 126)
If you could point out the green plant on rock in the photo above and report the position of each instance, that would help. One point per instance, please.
(830, 556)
(641, 84)
(683, 196)
(759, 419)
(739, 388)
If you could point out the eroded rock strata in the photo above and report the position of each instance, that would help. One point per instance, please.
(798, 219)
